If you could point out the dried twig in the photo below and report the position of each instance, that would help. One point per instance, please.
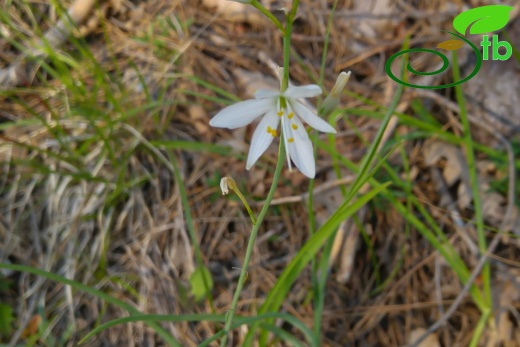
(318, 190)
(449, 204)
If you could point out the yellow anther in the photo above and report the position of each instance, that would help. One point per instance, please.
(294, 126)
(291, 139)
(269, 129)
(291, 115)
(280, 113)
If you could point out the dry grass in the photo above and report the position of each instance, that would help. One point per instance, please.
(82, 196)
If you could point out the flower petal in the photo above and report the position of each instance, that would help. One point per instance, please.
(300, 147)
(307, 91)
(262, 137)
(242, 113)
(310, 118)
(266, 93)
(287, 133)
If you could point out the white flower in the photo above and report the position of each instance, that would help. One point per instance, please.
(267, 104)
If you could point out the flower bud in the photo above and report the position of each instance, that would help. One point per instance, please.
(332, 100)
(227, 183)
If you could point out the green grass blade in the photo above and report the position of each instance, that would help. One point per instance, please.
(473, 176)
(97, 293)
(445, 248)
(282, 286)
(204, 317)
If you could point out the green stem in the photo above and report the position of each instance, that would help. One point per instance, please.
(279, 165)
(248, 208)
(269, 15)
(252, 238)
(326, 42)
(477, 333)
(287, 44)
(473, 177)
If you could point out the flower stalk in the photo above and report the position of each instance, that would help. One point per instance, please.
(251, 243)
(278, 170)
(256, 4)
(227, 183)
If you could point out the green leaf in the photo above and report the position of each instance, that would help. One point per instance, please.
(200, 280)
(485, 19)
(6, 318)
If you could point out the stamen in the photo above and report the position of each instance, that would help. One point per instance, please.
(294, 126)
(271, 131)
(291, 115)
(291, 139)
(280, 113)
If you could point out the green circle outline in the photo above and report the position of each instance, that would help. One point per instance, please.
(444, 67)
(478, 65)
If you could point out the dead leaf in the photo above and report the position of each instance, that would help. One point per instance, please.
(235, 11)
(455, 169)
(507, 292)
(199, 117)
(431, 341)
(32, 326)
(348, 255)
(376, 27)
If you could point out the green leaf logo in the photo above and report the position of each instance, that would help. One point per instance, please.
(451, 45)
(485, 19)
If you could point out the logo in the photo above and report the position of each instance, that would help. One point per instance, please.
(480, 20)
